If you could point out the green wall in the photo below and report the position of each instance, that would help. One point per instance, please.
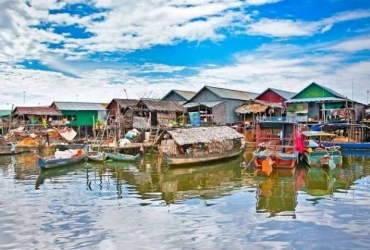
(82, 117)
(314, 91)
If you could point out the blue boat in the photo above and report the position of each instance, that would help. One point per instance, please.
(56, 161)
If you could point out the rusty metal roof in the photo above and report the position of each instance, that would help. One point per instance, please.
(159, 105)
(36, 110)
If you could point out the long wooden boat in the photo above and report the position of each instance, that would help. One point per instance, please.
(185, 159)
(122, 157)
(96, 156)
(54, 162)
(186, 146)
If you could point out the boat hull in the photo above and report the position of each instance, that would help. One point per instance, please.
(281, 161)
(122, 157)
(97, 156)
(55, 163)
(189, 160)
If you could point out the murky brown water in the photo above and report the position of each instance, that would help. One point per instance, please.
(218, 206)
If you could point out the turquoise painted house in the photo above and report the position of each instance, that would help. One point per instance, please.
(81, 113)
(318, 103)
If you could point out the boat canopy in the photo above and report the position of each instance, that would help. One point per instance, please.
(316, 133)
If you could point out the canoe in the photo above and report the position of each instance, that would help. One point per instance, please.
(54, 162)
(96, 156)
(122, 157)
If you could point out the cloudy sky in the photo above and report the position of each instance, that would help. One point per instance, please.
(96, 50)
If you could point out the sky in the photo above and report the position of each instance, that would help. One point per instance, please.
(97, 50)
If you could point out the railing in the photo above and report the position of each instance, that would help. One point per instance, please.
(277, 119)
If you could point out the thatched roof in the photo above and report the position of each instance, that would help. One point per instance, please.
(159, 105)
(184, 136)
(256, 106)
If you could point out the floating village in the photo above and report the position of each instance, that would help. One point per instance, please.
(284, 129)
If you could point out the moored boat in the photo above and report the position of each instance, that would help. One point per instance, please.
(184, 146)
(96, 156)
(62, 158)
(281, 144)
(122, 157)
(318, 154)
(276, 143)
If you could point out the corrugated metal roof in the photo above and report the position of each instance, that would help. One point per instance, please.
(207, 104)
(316, 99)
(283, 93)
(232, 94)
(37, 110)
(79, 106)
(159, 105)
(186, 94)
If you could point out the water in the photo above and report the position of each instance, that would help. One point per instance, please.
(148, 206)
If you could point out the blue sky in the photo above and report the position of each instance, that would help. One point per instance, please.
(93, 50)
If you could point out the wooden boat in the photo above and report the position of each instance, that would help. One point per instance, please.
(56, 161)
(122, 157)
(276, 143)
(96, 156)
(186, 159)
(280, 144)
(186, 146)
(318, 154)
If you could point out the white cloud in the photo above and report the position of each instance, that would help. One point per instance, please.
(294, 28)
(261, 2)
(281, 28)
(123, 26)
(352, 45)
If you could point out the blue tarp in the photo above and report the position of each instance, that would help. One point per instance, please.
(194, 118)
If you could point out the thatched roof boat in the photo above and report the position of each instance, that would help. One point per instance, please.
(203, 134)
(202, 144)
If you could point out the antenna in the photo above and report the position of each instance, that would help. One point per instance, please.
(125, 93)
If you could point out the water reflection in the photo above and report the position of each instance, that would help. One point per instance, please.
(219, 204)
(276, 193)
